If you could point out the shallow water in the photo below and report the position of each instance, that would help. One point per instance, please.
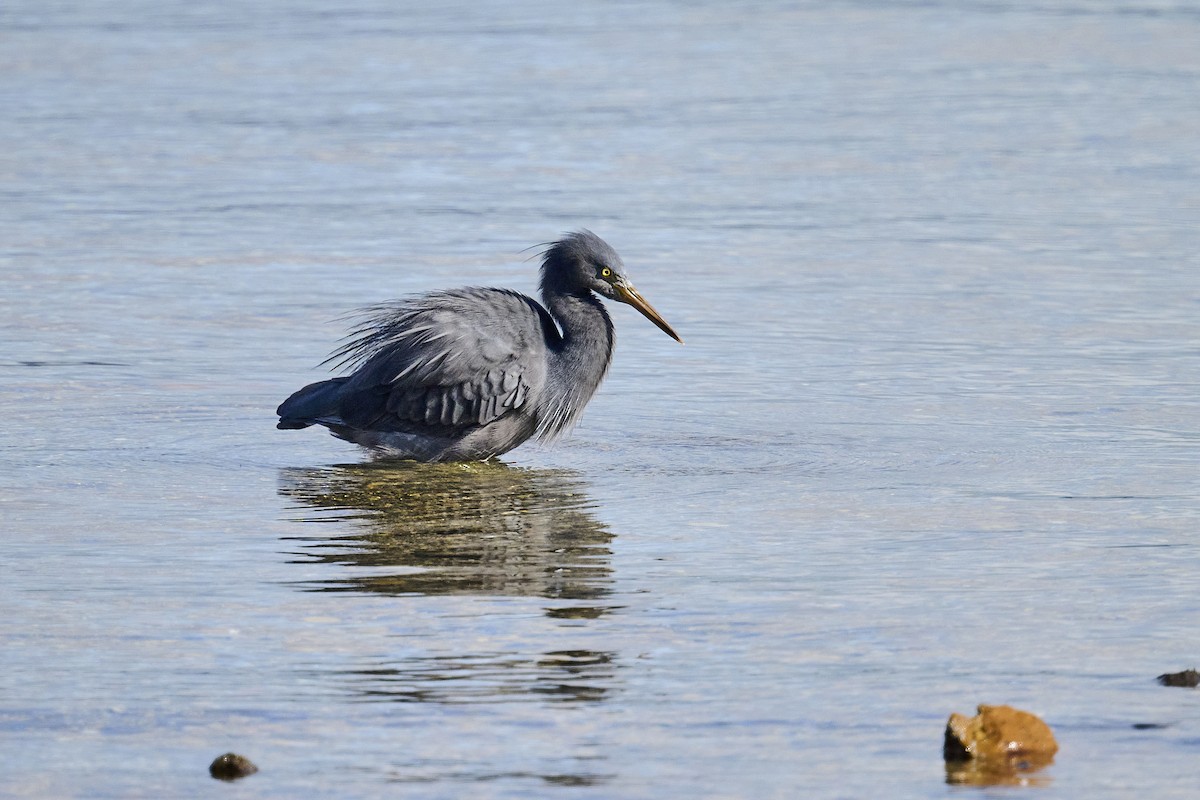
(933, 440)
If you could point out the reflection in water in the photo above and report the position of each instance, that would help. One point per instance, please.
(983, 773)
(453, 529)
(567, 676)
(438, 529)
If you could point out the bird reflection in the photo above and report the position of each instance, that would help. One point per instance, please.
(563, 676)
(487, 530)
(441, 529)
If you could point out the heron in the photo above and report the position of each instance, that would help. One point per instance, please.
(468, 374)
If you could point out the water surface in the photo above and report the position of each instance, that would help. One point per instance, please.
(932, 441)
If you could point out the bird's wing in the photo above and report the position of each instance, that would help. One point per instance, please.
(452, 359)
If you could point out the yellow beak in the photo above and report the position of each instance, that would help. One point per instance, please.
(627, 294)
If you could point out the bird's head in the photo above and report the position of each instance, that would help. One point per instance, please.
(583, 261)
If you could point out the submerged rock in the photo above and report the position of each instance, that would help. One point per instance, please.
(231, 766)
(1189, 679)
(999, 745)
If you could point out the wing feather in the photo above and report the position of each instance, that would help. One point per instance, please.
(447, 360)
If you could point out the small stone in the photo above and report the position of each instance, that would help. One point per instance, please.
(231, 767)
(996, 746)
(1188, 679)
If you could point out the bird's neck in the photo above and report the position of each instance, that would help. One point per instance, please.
(579, 363)
(586, 327)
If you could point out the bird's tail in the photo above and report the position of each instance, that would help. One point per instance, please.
(314, 403)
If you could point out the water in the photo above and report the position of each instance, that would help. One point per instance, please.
(932, 441)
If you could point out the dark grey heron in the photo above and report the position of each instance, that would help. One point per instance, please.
(467, 374)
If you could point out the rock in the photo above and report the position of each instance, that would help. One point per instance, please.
(231, 766)
(999, 745)
(1189, 679)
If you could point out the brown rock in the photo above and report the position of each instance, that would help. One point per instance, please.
(231, 766)
(1189, 679)
(996, 746)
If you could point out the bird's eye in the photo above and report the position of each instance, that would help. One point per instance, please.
(606, 273)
